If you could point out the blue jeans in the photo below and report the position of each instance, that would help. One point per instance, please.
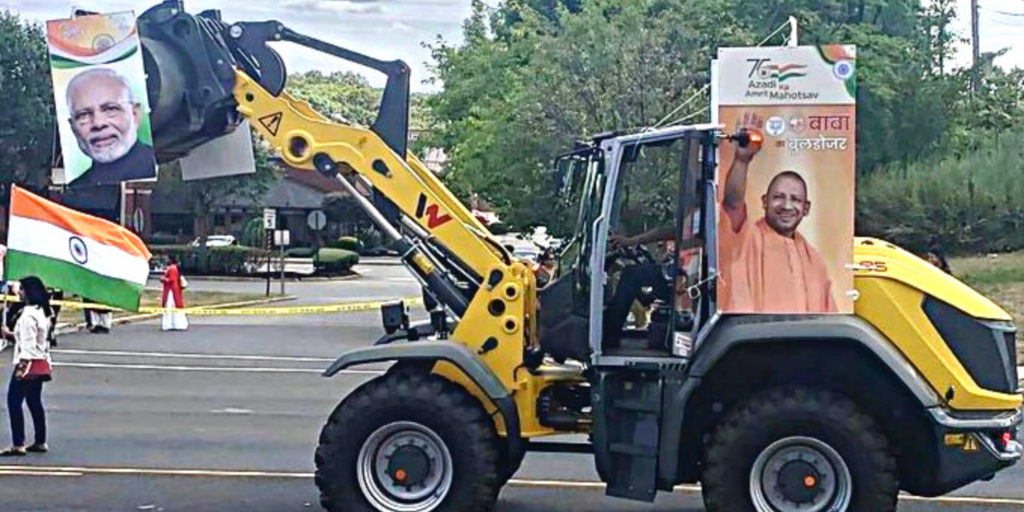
(30, 391)
(632, 279)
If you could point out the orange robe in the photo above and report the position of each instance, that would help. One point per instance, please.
(764, 272)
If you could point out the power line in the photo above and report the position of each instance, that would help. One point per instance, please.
(1002, 22)
(708, 86)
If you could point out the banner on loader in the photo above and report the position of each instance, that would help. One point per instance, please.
(786, 211)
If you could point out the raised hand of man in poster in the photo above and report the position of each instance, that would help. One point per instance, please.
(768, 265)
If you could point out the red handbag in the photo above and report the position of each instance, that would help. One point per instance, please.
(37, 369)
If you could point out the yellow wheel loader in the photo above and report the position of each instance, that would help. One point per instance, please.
(915, 391)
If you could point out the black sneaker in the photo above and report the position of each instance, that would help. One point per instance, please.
(13, 452)
(38, 448)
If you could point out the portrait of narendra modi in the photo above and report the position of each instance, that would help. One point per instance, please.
(100, 94)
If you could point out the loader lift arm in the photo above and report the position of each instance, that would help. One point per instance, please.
(451, 252)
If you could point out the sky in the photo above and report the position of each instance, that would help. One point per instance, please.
(1001, 25)
(397, 29)
(383, 29)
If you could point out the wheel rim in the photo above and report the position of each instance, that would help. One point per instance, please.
(800, 474)
(404, 467)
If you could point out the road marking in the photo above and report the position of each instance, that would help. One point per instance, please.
(157, 472)
(969, 500)
(209, 368)
(232, 410)
(175, 355)
(518, 482)
(37, 473)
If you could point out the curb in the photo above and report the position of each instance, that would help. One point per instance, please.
(277, 280)
(381, 262)
(72, 328)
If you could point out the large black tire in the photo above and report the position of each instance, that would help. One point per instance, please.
(429, 401)
(790, 413)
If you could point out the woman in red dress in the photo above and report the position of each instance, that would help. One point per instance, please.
(173, 298)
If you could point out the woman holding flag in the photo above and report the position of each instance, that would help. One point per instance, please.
(173, 298)
(31, 367)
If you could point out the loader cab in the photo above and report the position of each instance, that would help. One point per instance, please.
(617, 303)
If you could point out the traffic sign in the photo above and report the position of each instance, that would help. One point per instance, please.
(282, 237)
(316, 220)
(269, 218)
(138, 220)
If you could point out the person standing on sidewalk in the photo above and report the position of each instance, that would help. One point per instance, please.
(31, 367)
(173, 298)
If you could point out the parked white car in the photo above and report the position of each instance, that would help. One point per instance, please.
(216, 241)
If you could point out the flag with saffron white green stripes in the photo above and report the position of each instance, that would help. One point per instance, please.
(75, 252)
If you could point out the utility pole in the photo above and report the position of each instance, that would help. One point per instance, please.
(975, 50)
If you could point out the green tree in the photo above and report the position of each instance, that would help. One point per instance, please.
(202, 196)
(349, 98)
(532, 77)
(511, 104)
(27, 133)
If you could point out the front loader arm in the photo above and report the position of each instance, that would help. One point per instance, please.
(490, 294)
(416, 193)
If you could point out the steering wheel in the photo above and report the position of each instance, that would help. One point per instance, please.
(621, 255)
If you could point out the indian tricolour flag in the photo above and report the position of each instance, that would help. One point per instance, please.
(75, 252)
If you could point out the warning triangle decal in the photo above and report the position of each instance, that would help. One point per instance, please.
(272, 122)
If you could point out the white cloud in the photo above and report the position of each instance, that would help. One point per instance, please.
(398, 25)
(335, 6)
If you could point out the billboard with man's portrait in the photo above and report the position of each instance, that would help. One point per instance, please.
(99, 85)
(786, 208)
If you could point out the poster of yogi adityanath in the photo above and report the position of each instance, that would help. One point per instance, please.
(786, 209)
(99, 86)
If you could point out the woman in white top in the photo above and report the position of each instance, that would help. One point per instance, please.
(31, 347)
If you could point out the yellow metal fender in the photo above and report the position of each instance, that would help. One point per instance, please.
(892, 285)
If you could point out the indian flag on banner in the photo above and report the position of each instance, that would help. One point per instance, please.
(75, 252)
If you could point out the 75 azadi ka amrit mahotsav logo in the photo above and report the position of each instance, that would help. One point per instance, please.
(763, 69)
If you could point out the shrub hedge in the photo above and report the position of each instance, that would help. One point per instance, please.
(348, 243)
(216, 261)
(970, 203)
(336, 261)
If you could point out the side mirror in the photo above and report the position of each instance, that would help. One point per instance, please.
(565, 175)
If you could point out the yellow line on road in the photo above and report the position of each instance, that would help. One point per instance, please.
(226, 309)
(516, 482)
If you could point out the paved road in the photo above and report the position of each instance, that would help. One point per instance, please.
(225, 417)
(373, 282)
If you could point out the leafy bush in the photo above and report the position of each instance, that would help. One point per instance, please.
(162, 239)
(965, 203)
(336, 261)
(253, 233)
(349, 243)
(301, 252)
(216, 260)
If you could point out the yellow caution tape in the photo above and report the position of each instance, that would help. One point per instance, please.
(293, 310)
(227, 310)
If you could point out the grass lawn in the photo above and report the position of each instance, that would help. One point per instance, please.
(1000, 278)
(151, 298)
